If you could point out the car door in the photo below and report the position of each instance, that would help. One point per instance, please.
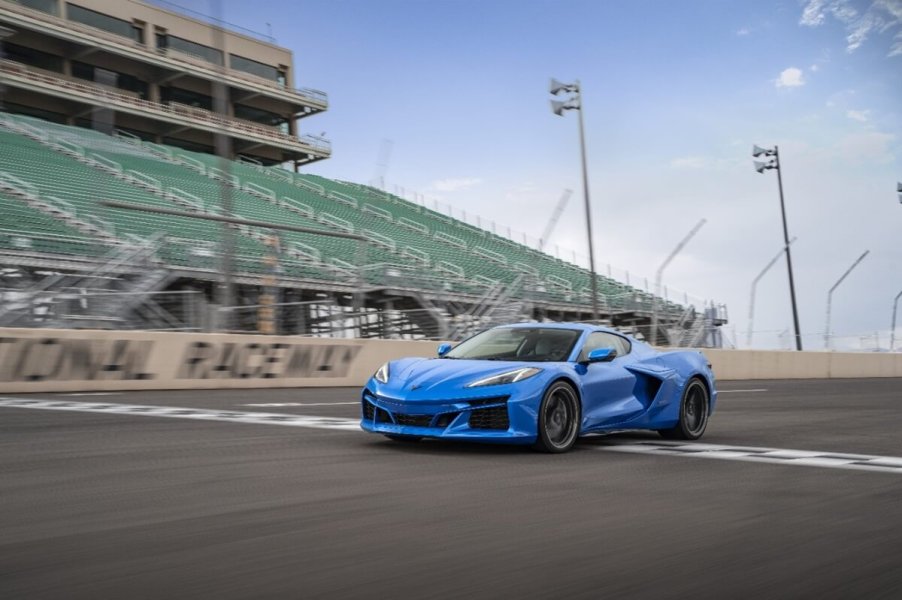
(608, 387)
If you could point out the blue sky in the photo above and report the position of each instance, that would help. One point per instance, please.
(675, 94)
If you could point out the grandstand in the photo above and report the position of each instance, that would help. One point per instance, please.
(114, 102)
(423, 274)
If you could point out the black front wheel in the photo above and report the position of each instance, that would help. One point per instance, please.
(693, 413)
(559, 417)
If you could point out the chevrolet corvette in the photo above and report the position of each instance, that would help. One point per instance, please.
(543, 385)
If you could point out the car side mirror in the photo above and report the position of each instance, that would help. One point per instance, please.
(444, 349)
(602, 355)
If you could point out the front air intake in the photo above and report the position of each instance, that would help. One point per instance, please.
(489, 418)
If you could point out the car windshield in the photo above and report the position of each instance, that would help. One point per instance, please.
(534, 344)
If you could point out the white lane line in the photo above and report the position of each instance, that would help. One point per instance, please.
(282, 404)
(781, 456)
(738, 391)
(777, 456)
(259, 418)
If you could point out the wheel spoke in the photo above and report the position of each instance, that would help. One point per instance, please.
(559, 418)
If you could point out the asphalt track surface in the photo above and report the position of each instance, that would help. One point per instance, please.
(135, 506)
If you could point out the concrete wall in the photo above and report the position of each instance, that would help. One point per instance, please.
(44, 360)
(772, 364)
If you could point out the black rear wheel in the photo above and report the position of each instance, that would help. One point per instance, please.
(693, 413)
(559, 416)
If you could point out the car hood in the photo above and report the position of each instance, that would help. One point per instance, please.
(423, 376)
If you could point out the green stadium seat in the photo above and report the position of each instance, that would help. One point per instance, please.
(80, 168)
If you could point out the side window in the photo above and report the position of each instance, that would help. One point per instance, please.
(602, 339)
(625, 346)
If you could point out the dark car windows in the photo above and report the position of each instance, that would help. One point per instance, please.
(603, 339)
(538, 344)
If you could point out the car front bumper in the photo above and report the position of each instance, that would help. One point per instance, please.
(502, 418)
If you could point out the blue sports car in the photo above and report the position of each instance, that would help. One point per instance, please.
(541, 384)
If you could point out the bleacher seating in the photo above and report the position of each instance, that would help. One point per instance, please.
(28, 229)
(81, 167)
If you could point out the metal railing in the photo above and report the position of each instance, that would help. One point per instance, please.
(71, 307)
(189, 115)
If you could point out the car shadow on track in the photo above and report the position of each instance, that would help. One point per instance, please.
(461, 448)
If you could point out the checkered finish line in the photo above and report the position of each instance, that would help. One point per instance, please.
(781, 456)
(257, 418)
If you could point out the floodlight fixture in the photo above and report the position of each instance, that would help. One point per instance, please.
(899, 189)
(558, 107)
(556, 87)
(759, 151)
(761, 167)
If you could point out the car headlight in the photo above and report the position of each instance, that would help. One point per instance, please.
(382, 374)
(506, 377)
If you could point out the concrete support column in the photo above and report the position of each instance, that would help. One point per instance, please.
(153, 92)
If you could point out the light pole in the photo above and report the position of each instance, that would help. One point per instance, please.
(761, 167)
(558, 107)
(748, 339)
(899, 190)
(653, 338)
(892, 330)
(827, 333)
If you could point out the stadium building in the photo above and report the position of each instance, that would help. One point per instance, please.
(157, 72)
(129, 103)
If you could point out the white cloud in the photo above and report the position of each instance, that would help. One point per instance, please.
(814, 68)
(879, 17)
(873, 146)
(455, 184)
(518, 193)
(813, 14)
(689, 162)
(858, 115)
(743, 31)
(791, 77)
(711, 163)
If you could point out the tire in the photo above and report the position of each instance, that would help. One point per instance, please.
(559, 417)
(403, 438)
(694, 407)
